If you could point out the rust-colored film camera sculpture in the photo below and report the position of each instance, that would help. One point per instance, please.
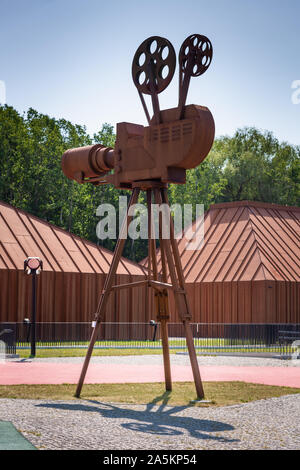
(148, 158)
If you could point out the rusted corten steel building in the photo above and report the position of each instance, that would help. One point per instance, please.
(248, 268)
(73, 275)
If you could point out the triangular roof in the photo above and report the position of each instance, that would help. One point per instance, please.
(23, 235)
(245, 241)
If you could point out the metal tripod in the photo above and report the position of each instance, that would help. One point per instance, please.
(169, 257)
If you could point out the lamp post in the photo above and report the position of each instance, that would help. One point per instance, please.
(33, 266)
(154, 324)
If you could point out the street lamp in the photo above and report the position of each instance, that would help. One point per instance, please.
(33, 267)
(154, 324)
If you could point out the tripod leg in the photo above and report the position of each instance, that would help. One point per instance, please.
(161, 298)
(150, 252)
(149, 267)
(99, 316)
(165, 342)
(165, 318)
(177, 279)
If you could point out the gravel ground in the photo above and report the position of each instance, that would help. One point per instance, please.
(178, 359)
(82, 424)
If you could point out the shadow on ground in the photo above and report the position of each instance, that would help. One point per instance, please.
(160, 420)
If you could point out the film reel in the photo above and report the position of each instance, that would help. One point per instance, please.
(153, 65)
(195, 55)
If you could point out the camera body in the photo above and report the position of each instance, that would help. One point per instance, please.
(175, 139)
(161, 152)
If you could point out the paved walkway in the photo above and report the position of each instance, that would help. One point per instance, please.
(58, 372)
(12, 439)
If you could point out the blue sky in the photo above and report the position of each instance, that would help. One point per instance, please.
(72, 59)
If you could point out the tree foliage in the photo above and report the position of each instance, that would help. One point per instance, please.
(251, 165)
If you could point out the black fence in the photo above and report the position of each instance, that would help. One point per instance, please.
(208, 338)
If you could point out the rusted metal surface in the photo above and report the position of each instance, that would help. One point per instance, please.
(161, 298)
(87, 162)
(107, 289)
(248, 269)
(74, 272)
(147, 158)
(175, 140)
(69, 297)
(159, 151)
(23, 235)
(195, 57)
(153, 65)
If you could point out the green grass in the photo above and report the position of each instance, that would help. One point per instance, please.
(183, 393)
(81, 352)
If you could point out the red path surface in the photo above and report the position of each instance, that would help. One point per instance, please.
(13, 373)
